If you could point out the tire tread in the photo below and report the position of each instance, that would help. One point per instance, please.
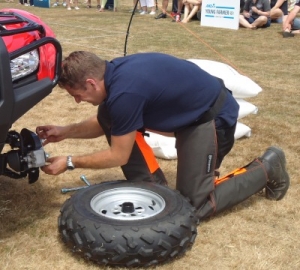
(139, 245)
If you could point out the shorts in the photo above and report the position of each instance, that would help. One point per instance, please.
(296, 24)
(251, 20)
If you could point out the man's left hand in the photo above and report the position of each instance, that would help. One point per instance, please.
(57, 165)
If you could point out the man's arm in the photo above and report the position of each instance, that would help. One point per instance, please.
(117, 155)
(278, 4)
(266, 9)
(260, 12)
(87, 129)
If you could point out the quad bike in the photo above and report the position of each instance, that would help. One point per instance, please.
(118, 223)
(30, 60)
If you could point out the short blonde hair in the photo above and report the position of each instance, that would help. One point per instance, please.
(79, 66)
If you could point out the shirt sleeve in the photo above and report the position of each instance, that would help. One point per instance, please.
(267, 6)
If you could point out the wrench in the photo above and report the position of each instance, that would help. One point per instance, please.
(82, 178)
(65, 190)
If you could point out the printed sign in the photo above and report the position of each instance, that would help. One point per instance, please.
(42, 3)
(220, 13)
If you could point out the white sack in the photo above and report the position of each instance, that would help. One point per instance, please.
(164, 147)
(240, 85)
(245, 108)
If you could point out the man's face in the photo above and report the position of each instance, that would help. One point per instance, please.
(92, 93)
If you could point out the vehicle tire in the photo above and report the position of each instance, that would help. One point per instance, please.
(125, 223)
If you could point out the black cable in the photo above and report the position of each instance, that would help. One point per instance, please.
(127, 34)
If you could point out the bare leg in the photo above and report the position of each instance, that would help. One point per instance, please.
(260, 21)
(243, 22)
(103, 3)
(276, 13)
(192, 13)
(165, 6)
(186, 12)
(179, 6)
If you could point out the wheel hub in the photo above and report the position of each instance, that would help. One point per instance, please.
(127, 207)
(127, 203)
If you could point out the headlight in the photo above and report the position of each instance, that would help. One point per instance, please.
(24, 65)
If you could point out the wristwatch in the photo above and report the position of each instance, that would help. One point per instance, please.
(70, 165)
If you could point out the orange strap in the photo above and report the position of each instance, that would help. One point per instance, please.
(147, 152)
(218, 181)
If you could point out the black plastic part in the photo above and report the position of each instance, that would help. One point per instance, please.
(33, 175)
(127, 207)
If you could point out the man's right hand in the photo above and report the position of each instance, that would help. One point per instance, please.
(51, 133)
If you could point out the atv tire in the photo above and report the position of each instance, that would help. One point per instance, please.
(124, 223)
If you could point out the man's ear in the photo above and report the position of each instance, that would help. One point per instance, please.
(90, 81)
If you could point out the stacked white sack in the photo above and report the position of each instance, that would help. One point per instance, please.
(164, 147)
(241, 86)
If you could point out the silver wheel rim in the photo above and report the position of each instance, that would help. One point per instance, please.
(127, 203)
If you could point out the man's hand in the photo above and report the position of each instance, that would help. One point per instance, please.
(246, 14)
(255, 9)
(50, 133)
(57, 165)
(116, 155)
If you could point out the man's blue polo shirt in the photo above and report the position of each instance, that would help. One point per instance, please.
(162, 93)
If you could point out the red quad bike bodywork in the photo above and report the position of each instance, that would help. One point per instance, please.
(30, 63)
(17, 41)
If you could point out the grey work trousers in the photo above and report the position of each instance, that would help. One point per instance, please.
(198, 157)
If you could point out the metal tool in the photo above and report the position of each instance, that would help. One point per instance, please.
(82, 178)
(65, 190)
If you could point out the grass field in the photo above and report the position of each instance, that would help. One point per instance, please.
(256, 234)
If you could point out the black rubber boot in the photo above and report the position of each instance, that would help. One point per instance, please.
(278, 179)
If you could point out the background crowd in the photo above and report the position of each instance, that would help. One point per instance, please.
(253, 13)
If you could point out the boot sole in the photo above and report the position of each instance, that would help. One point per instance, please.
(287, 178)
